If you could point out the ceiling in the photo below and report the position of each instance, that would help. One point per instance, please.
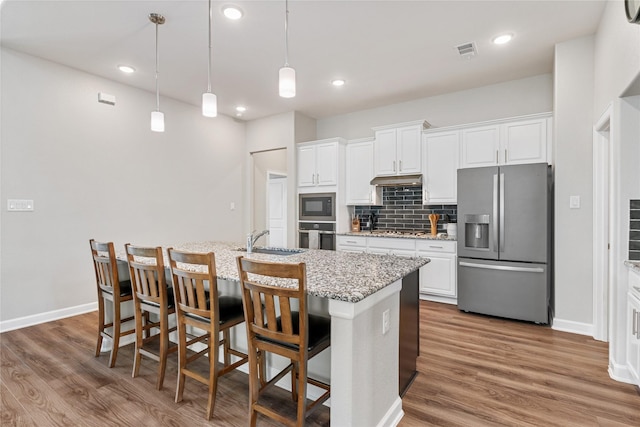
(387, 51)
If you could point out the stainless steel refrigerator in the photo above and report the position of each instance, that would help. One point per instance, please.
(504, 241)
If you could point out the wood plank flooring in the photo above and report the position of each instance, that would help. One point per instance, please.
(474, 371)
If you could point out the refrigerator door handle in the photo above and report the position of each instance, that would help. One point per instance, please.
(494, 221)
(501, 212)
(503, 267)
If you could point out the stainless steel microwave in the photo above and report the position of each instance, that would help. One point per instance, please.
(317, 207)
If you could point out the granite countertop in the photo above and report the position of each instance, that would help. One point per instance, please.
(335, 275)
(426, 236)
(633, 265)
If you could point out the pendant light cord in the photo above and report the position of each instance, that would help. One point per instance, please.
(157, 84)
(209, 69)
(286, 33)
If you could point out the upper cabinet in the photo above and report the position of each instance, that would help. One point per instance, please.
(318, 163)
(440, 165)
(360, 172)
(507, 142)
(397, 149)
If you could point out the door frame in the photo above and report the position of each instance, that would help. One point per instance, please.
(602, 225)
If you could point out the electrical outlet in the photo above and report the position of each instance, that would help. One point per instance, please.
(385, 322)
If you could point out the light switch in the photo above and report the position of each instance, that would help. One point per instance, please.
(574, 202)
(20, 205)
(232, 206)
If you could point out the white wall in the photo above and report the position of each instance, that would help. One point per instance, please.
(573, 158)
(617, 55)
(97, 171)
(513, 98)
(617, 65)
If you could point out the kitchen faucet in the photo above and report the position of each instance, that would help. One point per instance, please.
(251, 239)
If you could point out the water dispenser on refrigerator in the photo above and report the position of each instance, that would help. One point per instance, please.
(476, 227)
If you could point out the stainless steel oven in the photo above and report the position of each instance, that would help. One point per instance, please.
(317, 235)
(317, 207)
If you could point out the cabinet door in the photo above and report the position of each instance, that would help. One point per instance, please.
(438, 277)
(440, 167)
(524, 142)
(306, 166)
(327, 164)
(408, 149)
(633, 337)
(480, 146)
(359, 173)
(385, 152)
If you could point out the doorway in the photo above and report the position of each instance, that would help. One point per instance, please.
(276, 209)
(602, 215)
(269, 165)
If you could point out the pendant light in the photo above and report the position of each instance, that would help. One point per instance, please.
(287, 86)
(209, 100)
(157, 117)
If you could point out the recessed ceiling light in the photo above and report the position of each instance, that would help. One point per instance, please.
(241, 109)
(502, 39)
(338, 82)
(126, 69)
(232, 12)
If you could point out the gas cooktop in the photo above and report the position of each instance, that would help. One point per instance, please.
(399, 232)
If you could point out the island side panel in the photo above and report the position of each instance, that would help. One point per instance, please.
(364, 361)
(409, 330)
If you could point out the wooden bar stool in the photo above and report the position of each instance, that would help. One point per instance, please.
(110, 288)
(293, 334)
(199, 306)
(150, 296)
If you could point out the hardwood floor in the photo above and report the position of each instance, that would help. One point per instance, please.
(474, 371)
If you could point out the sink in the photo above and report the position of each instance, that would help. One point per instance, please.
(274, 251)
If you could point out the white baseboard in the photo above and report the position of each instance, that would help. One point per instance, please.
(620, 373)
(393, 416)
(438, 298)
(573, 327)
(35, 319)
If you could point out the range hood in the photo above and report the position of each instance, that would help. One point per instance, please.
(397, 181)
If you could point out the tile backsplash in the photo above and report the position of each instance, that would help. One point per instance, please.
(402, 210)
(634, 230)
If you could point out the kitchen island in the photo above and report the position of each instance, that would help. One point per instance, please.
(357, 291)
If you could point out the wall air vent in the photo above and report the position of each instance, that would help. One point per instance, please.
(467, 50)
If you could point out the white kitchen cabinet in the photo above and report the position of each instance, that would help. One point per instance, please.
(633, 326)
(440, 167)
(506, 142)
(438, 277)
(356, 244)
(480, 146)
(318, 163)
(391, 246)
(360, 172)
(397, 150)
(633, 337)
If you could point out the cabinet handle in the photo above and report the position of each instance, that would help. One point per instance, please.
(394, 165)
(400, 168)
(350, 241)
(436, 247)
(497, 158)
(634, 323)
(317, 178)
(505, 156)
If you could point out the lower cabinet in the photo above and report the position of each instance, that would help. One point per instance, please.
(633, 331)
(438, 279)
(439, 276)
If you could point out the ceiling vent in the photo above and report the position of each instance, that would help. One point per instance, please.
(467, 50)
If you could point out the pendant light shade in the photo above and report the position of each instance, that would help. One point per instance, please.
(209, 100)
(157, 121)
(287, 82)
(209, 104)
(157, 117)
(287, 75)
